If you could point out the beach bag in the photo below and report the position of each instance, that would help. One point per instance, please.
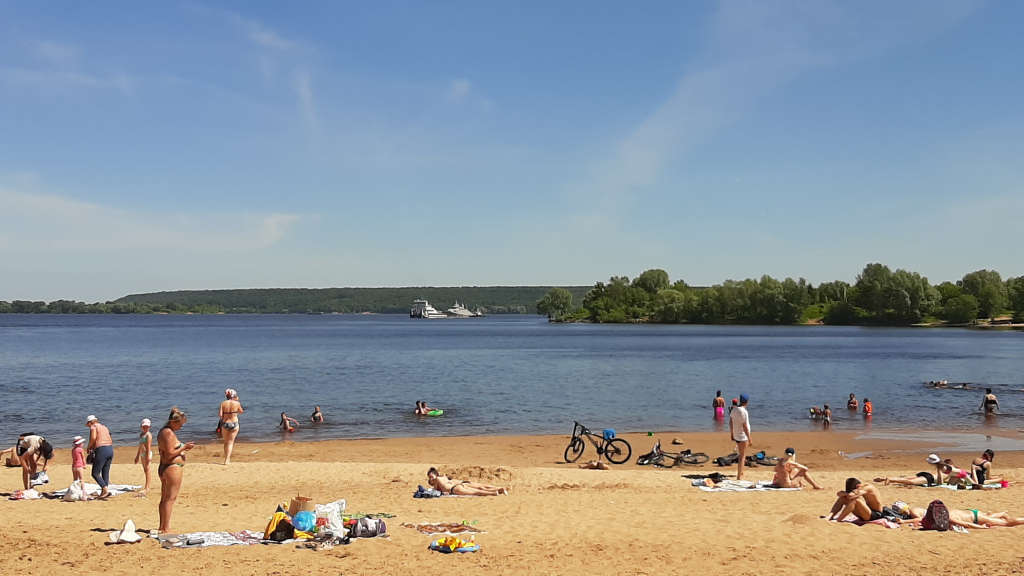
(367, 528)
(937, 517)
(727, 460)
(280, 528)
(74, 493)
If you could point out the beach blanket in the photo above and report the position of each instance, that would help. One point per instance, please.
(953, 486)
(740, 486)
(851, 519)
(444, 528)
(208, 539)
(94, 490)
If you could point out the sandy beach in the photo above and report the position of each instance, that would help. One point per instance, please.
(558, 519)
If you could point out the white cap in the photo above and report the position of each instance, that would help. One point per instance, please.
(934, 459)
(92, 418)
(230, 393)
(146, 422)
(78, 440)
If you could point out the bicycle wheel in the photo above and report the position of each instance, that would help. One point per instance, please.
(695, 458)
(574, 450)
(618, 451)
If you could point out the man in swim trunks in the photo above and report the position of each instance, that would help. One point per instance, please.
(719, 405)
(461, 487)
(863, 500)
(791, 474)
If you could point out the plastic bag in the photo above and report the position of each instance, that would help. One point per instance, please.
(332, 512)
(75, 492)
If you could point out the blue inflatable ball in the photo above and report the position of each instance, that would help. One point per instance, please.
(304, 521)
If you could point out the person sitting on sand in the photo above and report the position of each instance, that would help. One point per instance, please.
(989, 404)
(969, 518)
(863, 500)
(14, 460)
(287, 423)
(982, 468)
(317, 415)
(461, 487)
(921, 479)
(791, 474)
(955, 476)
(852, 403)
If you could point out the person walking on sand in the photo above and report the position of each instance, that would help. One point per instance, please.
(172, 465)
(739, 426)
(144, 454)
(230, 408)
(719, 405)
(102, 447)
(989, 404)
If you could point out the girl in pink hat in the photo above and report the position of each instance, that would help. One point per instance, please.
(144, 455)
(78, 458)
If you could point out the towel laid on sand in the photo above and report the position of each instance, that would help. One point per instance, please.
(94, 490)
(741, 486)
(208, 539)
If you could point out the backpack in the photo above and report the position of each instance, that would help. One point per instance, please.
(937, 517)
(367, 528)
(727, 460)
(280, 528)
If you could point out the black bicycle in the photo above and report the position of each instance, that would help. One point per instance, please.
(616, 450)
(662, 459)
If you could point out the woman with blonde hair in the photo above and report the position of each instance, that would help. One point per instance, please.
(172, 465)
(230, 408)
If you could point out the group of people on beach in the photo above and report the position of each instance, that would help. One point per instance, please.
(852, 405)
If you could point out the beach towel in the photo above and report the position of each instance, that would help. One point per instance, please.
(94, 490)
(954, 486)
(25, 495)
(444, 528)
(208, 539)
(740, 486)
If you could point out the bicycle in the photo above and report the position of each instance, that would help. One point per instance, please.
(662, 459)
(615, 449)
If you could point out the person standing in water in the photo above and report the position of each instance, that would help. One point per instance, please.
(144, 454)
(826, 415)
(287, 423)
(719, 405)
(867, 408)
(230, 408)
(989, 404)
(852, 404)
(317, 415)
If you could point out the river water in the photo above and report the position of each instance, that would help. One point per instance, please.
(496, 375)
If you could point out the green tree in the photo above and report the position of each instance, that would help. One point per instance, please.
(841, 314)
(1015, 292)
(948, 291)
(987, 286)
(671, 306)
(961, 309)
(652, 281)
(874, 287)
(555, 303)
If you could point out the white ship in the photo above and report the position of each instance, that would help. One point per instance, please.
(422, 309)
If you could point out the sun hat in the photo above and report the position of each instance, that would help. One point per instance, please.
(78, 440)
(790, 451)
(92, 418)
(230, 393)
(146, 422)
(934, 459)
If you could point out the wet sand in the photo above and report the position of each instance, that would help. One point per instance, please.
(558, 520)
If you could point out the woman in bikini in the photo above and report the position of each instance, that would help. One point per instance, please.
(989, 404)
(144, 454)
(462, 487)
(230, 408)
(852, 403)
(172, 465)
(719, 405)
(922, 478)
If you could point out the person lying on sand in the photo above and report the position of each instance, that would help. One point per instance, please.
(969, 518)
(791, 474)
(863, 500)
(461, 487)
(595, 465)
(921, 479)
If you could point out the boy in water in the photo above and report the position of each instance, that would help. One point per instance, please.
(826, 415)
(867, 407)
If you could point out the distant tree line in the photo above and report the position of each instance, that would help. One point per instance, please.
(880, 296)
(489, 299)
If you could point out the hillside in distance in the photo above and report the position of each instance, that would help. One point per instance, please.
(490, 299)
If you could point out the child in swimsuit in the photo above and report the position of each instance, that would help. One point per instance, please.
(867, 407)
(144, 454)
(78, 458)
(826, 415)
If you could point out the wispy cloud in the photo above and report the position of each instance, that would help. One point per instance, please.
(307, 104)
(256, 32)
(58, 78)
(55, 52)
(44, 223)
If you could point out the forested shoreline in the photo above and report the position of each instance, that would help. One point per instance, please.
(490, 299)
(879, 296)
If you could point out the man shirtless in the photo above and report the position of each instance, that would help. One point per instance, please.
(791, 474)
(967, 518)
(863, 500)
(461, 487)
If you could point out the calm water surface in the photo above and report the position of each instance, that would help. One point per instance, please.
(498, 375)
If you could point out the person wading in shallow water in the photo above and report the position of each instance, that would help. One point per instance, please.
(989, 404)
(719, 405)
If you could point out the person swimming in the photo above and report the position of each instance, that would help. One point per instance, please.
(422, 409)
(852, 403)
(719, 405)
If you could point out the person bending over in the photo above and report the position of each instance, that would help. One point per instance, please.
(461, 487)
(791, 474)
(863, 500)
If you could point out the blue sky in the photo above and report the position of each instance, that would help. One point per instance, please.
(161, 146)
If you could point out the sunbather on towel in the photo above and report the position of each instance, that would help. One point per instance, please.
(863, 500)
(461, 487)
(791, 474)
(921, 479)
(969, 518)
